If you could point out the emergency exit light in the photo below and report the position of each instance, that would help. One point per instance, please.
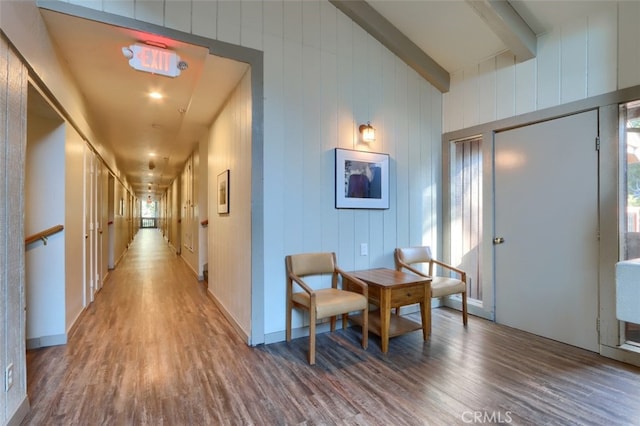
(154, 60)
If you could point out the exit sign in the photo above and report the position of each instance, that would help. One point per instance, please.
(154, 60)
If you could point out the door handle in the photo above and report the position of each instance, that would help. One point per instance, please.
(498, 240)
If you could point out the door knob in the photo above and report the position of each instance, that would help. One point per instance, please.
(498, 240)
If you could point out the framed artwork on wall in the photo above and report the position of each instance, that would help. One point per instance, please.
(223, 192)
(362, 180)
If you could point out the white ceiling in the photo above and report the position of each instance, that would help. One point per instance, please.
(134, 126)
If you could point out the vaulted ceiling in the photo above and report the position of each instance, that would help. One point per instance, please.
(152, 138)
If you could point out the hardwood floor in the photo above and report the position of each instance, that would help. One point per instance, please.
(153, 349)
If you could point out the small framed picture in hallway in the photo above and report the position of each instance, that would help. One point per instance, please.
(223, 192)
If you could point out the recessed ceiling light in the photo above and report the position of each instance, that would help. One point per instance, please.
(155, 95)
(152, 154)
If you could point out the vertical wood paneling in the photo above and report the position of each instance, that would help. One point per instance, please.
(251, 14)
(375, 53)
(273, 15)
(344, 108)
(275, 177)
(602, 52)
(91, 4)
(487, 90)
(526, 87)
(415, 160)
(177, 15)
(311, 175)
(548, 62)
(13, 147)
(204, 18)
(573, 61)
(230, 148)
(294, 149)
(229, 21)
(7, 322)
(151, 11)
(388, 121)
(292, 20)
(402, 153)
(471, 100)
(505, 85)
(628, 36)
(123, 8)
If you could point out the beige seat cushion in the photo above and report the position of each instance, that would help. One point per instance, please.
(442, 286)
(331, 301)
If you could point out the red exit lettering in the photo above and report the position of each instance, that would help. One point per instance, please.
(153, 59)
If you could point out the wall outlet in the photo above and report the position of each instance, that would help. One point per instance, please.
(8, 377)
(364, 249)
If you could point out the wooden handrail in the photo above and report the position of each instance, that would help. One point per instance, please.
(42, 235)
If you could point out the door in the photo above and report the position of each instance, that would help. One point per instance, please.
(546, 224)
(90, 228)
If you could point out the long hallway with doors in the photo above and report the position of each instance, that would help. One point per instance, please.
(153, 348)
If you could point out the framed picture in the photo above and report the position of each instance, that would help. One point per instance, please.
(223, 192)
(362, 180)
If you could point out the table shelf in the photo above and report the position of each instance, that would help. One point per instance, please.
(397, 325)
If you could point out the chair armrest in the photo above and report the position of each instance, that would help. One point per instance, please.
(348, 277)
(302, 284)
(401, 265)
(462, 273)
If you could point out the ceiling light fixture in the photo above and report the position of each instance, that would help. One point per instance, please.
(155, 95)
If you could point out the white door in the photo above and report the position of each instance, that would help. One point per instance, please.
(90, 232)
(546, 212)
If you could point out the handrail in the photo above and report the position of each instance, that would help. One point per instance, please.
(42, 235)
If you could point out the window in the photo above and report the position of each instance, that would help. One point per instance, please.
(630, 164)
(466, 212)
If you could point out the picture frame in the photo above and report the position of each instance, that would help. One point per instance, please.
(223, 192)
(361, 179)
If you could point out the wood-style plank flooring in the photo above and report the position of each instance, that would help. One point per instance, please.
(153, 349)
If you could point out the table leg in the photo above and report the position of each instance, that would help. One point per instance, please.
(385, 318)
(425, 311)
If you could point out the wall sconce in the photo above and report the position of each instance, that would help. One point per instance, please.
(368, 132)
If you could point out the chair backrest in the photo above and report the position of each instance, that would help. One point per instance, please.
(311, 263)
(412, 255)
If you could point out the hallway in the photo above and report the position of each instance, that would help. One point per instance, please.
(154, 349)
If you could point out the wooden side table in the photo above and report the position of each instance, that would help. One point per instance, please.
(389, 288)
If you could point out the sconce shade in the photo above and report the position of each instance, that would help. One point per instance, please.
(368, 132)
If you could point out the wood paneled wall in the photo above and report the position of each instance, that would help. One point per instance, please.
(323, 77)
(576, 60)
(13, 139)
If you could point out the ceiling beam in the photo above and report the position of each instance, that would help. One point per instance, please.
(505, 22)
(399, 44)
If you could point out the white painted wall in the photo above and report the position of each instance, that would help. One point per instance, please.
(74, 225)
(323, 77)
(579, 59)
(230, 234)
(202, 191)
(44, 208)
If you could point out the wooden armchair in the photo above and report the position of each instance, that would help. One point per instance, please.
(406, 258)
(324, 302)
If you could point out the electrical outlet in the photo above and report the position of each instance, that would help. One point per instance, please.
(8, 377)
(364, 249)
